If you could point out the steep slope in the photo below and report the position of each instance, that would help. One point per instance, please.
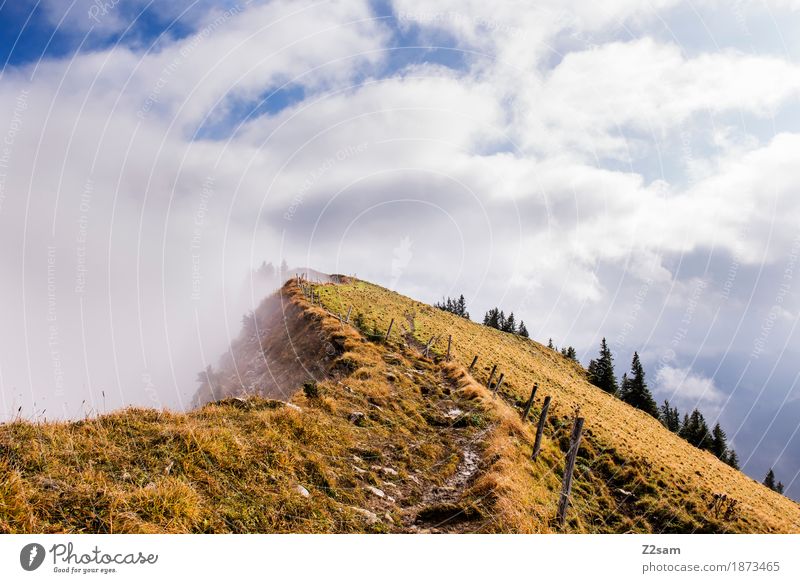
(375, 439)
(371, 436)
(632, 474)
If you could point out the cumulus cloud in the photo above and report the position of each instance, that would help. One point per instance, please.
(685, 386)
(160, 175)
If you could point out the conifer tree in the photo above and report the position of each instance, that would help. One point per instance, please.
(550, 344)
(719, 442)
(637, 394)
(601, 371)
(732, 460)
(670, 417)
(769, 479)
(523, 331)
(510, 325)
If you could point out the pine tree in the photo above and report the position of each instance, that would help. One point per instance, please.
(510, 325)
(769, 479)
(637, 393)
(461, 308)
(601, 371)
(454, 306)
(492, 318)
(624, 387)
(732, 460)
(670, 417)
(570, 352)
(779, 487)
(695, 430)
(719, 442)
(550, 344)
(501, 321)
(284, 268)
(523, 331)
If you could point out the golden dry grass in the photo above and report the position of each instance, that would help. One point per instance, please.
(671, 483)
(378, 418)
(239, 465)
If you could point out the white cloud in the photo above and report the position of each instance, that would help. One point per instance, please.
(684, 385)
(489, 170)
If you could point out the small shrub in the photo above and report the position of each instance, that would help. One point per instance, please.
(311, 390)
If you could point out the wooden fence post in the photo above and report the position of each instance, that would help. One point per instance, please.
(491, 376)
(428, 346)
(566, 487)
(474, 360)
(529, 404)
(537, 446)
(499, 382)
(389, 331)
(347, 320)
(449, 343)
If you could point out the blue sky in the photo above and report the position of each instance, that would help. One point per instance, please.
(622, 170)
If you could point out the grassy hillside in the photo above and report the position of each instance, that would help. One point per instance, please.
(385, 441)
(632, 474)
(375, 437)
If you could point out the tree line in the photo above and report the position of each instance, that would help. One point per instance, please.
(631, 389)
(457, 306)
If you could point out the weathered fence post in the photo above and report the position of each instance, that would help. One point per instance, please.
(449, 343)
(566, 488)
(428, 346)
(499, 382)
(474, 360)
(491, 376)
(347, 320)
(537, 446)
(389, 331)
(529, 404)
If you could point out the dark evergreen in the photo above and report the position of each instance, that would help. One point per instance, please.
(601, 371)
(769, 479)
(523, 331)
(510, 324)
(732, 460)
(454, 306)
(719, 442)
(670, 417)
(695, 430)
(636, 392)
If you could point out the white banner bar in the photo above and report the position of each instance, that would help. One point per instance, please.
(459, 558)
